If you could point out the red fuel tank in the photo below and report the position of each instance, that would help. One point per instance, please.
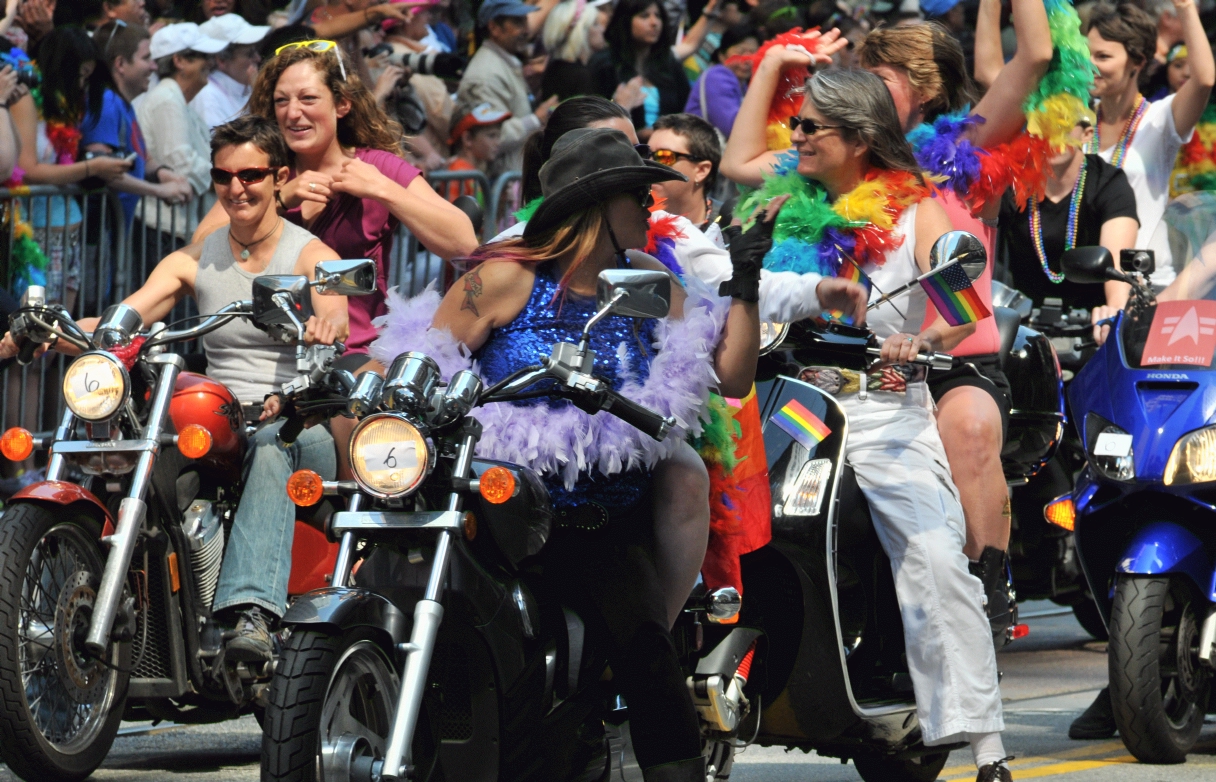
(198, 399)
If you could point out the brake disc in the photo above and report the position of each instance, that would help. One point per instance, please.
(83, 677)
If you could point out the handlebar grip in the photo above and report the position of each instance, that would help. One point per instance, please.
(26, 354)
(641, 418)
(291, 429)
(938, 361)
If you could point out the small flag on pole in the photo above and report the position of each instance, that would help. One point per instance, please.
(950, 290)
(801, 424)
(849, 270)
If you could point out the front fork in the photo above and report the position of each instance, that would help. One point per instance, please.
(132, 511)
(428, 614)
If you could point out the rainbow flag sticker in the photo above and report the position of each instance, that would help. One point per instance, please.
(801, 424)
(951, 292)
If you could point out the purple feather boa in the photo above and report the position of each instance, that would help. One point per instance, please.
(565, 441)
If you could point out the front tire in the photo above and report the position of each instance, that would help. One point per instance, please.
(884, 768)
(1158, 688)
(331, 706)
(59, 709)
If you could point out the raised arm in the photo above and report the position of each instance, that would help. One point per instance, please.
(536, 19)
(344, 24)
(1192, 96)
(989, 59)
(1001, 106)
(747, 158)
(694, 36)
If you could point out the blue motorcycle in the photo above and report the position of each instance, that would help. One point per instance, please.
(1144, 515)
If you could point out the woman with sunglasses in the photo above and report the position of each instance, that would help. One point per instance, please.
(851, 149)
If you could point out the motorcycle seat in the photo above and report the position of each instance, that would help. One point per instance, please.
(1007, 322)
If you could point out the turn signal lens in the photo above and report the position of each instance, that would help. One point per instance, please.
(469, 522)
(497, 485)
(17, 444)
(304, 488)
(194, 441)
(1062, 513)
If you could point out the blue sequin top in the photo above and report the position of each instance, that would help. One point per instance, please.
(551, 317)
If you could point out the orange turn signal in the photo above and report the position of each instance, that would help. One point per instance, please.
(1062, 513)
(305, 488)
(17, 444)
(469, 522)
(194, 441)
(497, 485)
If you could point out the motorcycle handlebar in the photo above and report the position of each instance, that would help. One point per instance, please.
(291, 428)
(938, 361)
(26, 353)
(637, 416)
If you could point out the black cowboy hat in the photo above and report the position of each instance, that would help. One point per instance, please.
(588, 166)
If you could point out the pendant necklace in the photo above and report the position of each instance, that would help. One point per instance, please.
(245, 247)
(1125, 138)
(1070, 238)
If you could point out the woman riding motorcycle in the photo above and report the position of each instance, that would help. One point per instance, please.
(851, 148)
(249, 161)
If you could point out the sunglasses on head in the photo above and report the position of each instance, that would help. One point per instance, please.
(316, 46)
(248, 176)
(810, 127)
(668, 157)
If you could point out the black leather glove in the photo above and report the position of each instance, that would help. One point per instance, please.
(747, 251)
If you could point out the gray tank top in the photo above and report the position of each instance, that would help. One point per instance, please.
(239, 355)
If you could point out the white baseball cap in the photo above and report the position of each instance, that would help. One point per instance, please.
(182, 36)
(232, 28)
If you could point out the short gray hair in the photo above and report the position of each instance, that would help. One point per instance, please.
(861, 102)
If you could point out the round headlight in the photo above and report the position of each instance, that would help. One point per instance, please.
(95, 386)
(389, 455)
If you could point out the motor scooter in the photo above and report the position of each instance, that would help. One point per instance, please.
(1143, 506)
(106, 586)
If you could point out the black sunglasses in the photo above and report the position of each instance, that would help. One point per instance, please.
(810, 127)
(248, 176)
(668, 157)
(645, 198)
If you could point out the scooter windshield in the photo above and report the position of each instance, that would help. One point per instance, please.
(1170, 335)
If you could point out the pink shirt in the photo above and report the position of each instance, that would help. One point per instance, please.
(362, 228)
(985, 339)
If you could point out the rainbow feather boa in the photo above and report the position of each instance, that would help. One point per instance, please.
(1195, 168)
(566, 441)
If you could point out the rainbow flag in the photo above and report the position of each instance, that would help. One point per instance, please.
(801, 424)
(849, 270)
(950, 290)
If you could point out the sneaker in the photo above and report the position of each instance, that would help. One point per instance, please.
(995, 772)
(250, 642)
(1096, 722)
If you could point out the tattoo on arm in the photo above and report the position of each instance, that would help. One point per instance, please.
(472, 289)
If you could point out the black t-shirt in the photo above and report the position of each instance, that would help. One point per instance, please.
(610, 68)
(1107, 196)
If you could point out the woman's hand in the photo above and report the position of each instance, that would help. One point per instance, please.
(308, 186)
(387, 82)
(107, 167)
(747, 251)
(837, 293)
(903, 348)
(318, 331)
(8, 85)
(791, 55)
(36, 18)
(629, 95)
(9, 347)
(271, 407)
(1100, 314)
(175, 191)
(361, 180)
(378, 13)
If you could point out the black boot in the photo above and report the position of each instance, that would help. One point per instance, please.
(691, 770)
(995, 772)
(992, 571)
(1096, 722)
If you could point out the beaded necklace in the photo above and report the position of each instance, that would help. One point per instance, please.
(1125, 138)
(1070, 238)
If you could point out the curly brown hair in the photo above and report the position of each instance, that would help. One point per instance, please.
(365, 126)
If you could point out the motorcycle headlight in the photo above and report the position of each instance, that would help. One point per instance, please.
(772, 335)
(388, 455)
(1110, 449)
(1193, 459)
(95, 386)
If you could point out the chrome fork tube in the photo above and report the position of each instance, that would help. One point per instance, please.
(131, 512)
(346, 550)
(55, 466)
(428, 614)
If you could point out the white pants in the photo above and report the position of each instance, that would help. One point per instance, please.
(902, 469)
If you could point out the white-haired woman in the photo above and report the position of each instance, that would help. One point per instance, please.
(573, 32)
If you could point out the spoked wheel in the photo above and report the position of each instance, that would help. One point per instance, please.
(1157, 686)
(885, 768)
(331, 710)
(59, 707)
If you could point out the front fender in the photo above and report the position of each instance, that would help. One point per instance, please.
(1164, 547)
(64, 493)
(343, 608)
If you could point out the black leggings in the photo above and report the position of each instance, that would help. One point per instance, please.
(608, 575)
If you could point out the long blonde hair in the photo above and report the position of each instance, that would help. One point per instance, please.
(577, 235)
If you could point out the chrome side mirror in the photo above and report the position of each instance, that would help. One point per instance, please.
(117, 326)
(633, 293)
(346, 278)
(772, 334)
(1088, 265)
(962, 248)
(281, 305)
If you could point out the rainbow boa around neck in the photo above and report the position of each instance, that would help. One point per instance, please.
(1195, 168)
(565, 441)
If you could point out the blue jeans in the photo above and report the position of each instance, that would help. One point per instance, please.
(257, 561)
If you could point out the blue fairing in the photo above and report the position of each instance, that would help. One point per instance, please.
(1163, 547)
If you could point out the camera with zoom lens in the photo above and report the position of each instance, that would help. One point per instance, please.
(1138, 261)
(441, 64)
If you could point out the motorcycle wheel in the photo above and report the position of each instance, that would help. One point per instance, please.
(59, 709)
(884, 768)
(1090, 619)
(331, 709)
(1158, 688)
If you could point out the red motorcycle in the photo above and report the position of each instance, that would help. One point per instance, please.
(106, 586)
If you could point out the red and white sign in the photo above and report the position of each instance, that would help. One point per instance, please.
(1183, 332)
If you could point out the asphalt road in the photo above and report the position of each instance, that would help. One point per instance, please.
(1049, 677)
